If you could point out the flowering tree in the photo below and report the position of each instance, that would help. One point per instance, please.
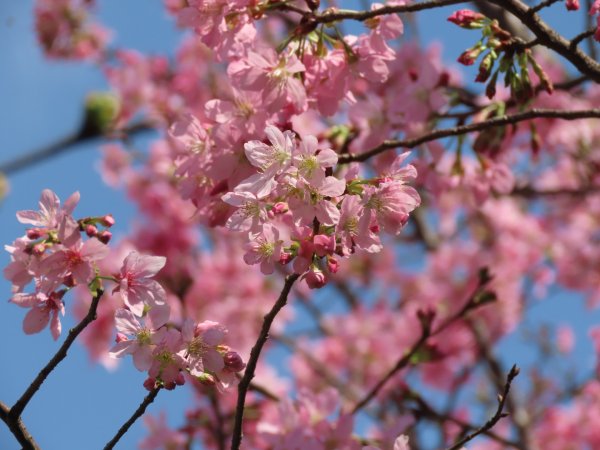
(291, 156)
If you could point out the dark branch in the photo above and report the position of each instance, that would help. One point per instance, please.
(17, 409)
(345, 14)
(136, 415)
(18, 429)
(61, 146)
(236, 439)
(478, 126)
(496, 417)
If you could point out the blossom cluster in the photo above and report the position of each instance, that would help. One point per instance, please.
(64, 30)
(294, 209)
(55, 257)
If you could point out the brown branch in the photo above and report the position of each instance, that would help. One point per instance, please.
(426, 410)
(62, 146)
(465, 129)
(21, 403)
(135, 416)
(17, 428)
(496, 417)
(236, 439)
(549, 38)
(478, 298)
(529, 192)
(333, 15)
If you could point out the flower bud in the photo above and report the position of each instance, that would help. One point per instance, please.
(315, 278)
(91, 230)
(34, 233)
(572, 5)
(469, 56)
(104, 236)
(108, 220)
(280, 208)
(465, 18)
(332, 265)
(38, 249)
(150, 383)
(485, 68)
(121, 338)
(233, 362)
(324, 245)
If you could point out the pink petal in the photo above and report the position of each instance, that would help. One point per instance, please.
(36, 320)
(126, 322)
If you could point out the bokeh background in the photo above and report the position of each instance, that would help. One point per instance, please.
(81, 405)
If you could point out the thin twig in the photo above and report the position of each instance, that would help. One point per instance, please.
(476, 299)
(236, 439)
(346, 14)
(464, 129)
(542, 5)
(21, 403)
(135, 416)
(514, 371)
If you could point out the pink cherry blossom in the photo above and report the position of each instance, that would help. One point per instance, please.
(135, 284)
(44, 309)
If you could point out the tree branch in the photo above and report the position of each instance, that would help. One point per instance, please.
(464, 129)
(476, 299)
(236, 439)
(333, 15)
(136, 415)
(20, 405)
(496, 417)
(548, 37)
(17, 428)
(62, 146)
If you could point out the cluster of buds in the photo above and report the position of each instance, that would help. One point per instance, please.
(497, 44)
(90, 226)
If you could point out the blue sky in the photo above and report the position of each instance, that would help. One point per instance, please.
(81, 405)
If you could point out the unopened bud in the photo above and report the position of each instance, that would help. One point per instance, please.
(91, 230)
(280, 208)
(468, 57)
(572, 5)
(233, 362)
(315, 279)
(34, 233)
(104, 236)
(108, 220)
(38, 249)
(332, 265)
(465, 18)
(150, 383)
(485, 68)
(121, 338)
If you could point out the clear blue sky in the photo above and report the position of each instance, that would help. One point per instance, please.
(82, 405)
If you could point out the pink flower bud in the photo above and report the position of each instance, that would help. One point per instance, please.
(33, 233)
(233, 362)
(324, 245)
(108, 220)
(469, 56)
(333, 265)
(572, 5)
(121, 337)
(38, 249)
(150, 383)
(466, 18)
(180, 379)
(91, 230)
(280, 208)
(104, 236)
(315, 279)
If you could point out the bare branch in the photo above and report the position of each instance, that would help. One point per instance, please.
(136, 415)
(345, 14)
(62, 146)
(18, 429)
(464, 129)
(20, 405)
(496, 417)
(236, 439)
